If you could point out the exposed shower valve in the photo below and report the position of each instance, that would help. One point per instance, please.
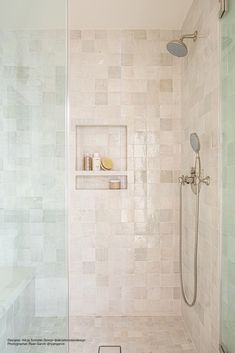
(194, 179)
(190, 179)
(206, 180)
(181, 179)
(193, 171)
(185, 179)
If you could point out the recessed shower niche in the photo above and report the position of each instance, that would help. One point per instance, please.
(109, 141)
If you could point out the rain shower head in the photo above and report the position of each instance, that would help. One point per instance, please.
(195, 142)
(178, 48)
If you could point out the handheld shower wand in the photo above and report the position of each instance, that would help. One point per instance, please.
(195, 180)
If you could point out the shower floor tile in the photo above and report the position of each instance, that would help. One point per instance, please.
(45, 327)
(133, 334)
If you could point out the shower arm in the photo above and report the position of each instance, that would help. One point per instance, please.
(190, 36)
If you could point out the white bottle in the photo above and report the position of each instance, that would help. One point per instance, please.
(96, 162)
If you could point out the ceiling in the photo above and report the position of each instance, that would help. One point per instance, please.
(128, 14)
(33, 14)
(94, 14)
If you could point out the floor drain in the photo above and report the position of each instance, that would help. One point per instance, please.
(110, 349)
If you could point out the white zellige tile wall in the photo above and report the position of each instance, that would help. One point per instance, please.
(32, 161)
(200, 113)
(124, 244)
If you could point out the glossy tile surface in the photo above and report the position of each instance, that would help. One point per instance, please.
(48, 328)
(133, 334)
(123, 245)
(201, 114)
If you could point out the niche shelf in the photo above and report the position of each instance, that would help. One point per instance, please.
(109, 141)
(101, 173)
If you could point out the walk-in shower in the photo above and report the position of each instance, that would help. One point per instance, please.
(117, 254)
(195, 180)
(177, 47)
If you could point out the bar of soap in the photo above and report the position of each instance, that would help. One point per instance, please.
(106, 164)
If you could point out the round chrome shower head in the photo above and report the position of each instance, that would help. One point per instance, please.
(195, 142)
(177, 48)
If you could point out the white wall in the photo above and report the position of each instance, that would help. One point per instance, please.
(33, 14)
(128, 14)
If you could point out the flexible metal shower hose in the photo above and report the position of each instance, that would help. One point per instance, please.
(186, 300)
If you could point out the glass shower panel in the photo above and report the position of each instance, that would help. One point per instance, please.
(228, 167)
(33, 264)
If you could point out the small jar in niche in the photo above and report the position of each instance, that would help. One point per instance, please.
(115, 184)
(87, 162)
(96, 162)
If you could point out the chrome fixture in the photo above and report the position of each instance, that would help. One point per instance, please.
(103, 348)
(222, 349)
(178, 48)
(195, 179)
(195, 142)
(223, 7)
